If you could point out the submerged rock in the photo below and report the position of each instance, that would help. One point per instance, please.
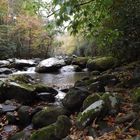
(50, 65)
(101, 64)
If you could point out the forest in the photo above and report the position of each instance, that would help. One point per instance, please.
(69, 69)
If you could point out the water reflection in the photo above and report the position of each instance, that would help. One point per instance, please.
(60, 79)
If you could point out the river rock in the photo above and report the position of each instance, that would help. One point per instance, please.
(55, 131)
(50, 65)
(20, 64)
(20, 92)
(70, 68)
(23, 135)
(45, 96)
(47, 116)
(63, 125)
(96, 87)
(24, 114)
(74, 98)
(5, 71)
(90, 113)
(90, 100)
(101, 64)
(4, 63)
(45, 133)
(80, 61)
(10, 116)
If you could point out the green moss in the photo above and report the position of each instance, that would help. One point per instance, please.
(46, 133)
(90, 100)
(18, 136)
(63, 126)
(102, 63)
(136, 95)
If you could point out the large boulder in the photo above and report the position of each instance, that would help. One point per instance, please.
(21, 92)
(50, 65)
(47, 116)
(80, 61)
(101, 64)
(74, 98)
(23, 89)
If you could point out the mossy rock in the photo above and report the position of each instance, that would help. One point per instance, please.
(101, 64)
(47, 116)
(80, 61)
(136, 95)
(21, 78)
(90, 100)
(90, 113)
(20, 136)
(55, 131)
(63, 126)
(21, 92)
(46, 133)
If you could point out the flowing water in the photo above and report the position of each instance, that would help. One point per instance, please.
(59, 80)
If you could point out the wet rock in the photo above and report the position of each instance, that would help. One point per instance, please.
(101, 64)
(45, 96)
(5, 71)
(24, 114)
(90, 100)
(20, 64)
(4, 63)
(7, 108)
(80, 61)
(21, 78)
(90, 113)
(11, 118)
(70, 68)
(96, 87)
(63, 126)
(21, 92)
(50, 65)
(47, 116)
(74, 98)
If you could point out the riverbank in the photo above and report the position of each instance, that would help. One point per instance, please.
(102, 105)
